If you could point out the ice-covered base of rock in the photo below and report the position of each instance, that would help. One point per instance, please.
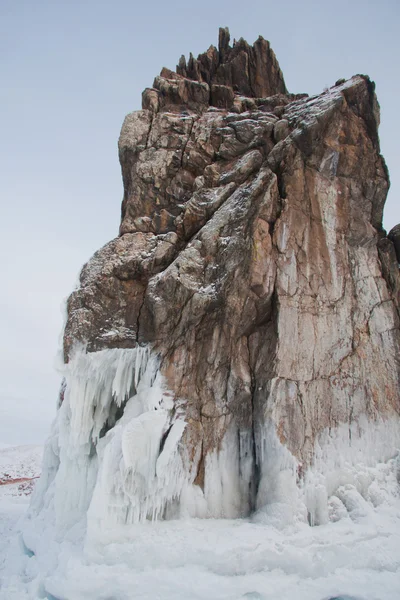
(115, 459)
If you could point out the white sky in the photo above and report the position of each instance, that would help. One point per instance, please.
(70, 71)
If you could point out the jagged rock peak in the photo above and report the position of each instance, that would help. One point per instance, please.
(217, 76)
(250, 70)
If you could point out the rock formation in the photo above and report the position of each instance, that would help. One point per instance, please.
(253, 270)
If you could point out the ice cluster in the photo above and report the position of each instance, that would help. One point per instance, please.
(113, 453)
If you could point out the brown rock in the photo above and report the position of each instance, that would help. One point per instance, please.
(222, 96)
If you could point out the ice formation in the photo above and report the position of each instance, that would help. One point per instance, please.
(114, 448)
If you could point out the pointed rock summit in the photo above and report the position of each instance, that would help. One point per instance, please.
(239, 341)
(223, 78)
(252, 71)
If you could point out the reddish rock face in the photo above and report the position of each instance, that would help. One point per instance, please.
(251, 255)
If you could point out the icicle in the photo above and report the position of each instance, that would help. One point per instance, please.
(123, 471)
(141, 470)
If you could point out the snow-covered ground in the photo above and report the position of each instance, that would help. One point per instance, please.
(357, 556)
(19, 466)
(20, 461)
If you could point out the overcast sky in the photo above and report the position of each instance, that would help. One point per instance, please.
(70, 71)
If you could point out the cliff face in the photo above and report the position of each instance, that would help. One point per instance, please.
(252, 265)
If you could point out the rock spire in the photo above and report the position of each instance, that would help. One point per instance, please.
(252, 264)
